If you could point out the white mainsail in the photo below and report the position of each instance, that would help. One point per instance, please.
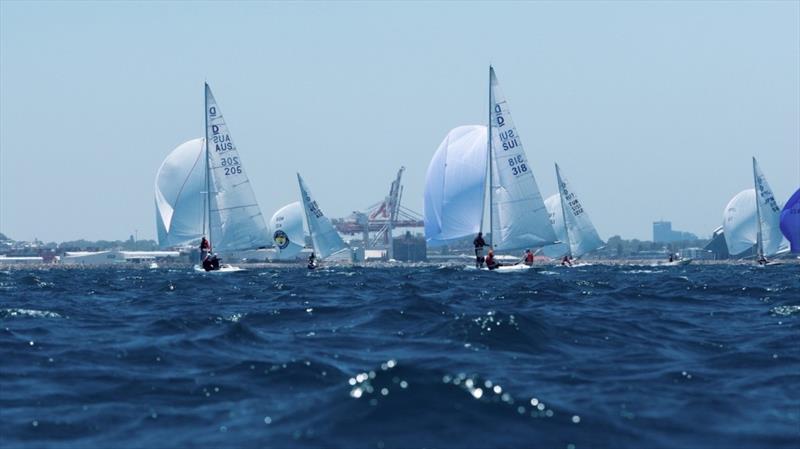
(739, 222)
(287, 231)
(454, 186)
(581, 233)
(179, 193)
(553, 205)
(519, 218)
(327, 242)
(235, 220)
(768, 213)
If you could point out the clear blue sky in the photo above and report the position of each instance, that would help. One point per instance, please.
(653, 110)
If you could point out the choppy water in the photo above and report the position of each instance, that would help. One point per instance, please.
(696, 356)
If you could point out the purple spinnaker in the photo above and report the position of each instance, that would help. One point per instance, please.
(790, 221)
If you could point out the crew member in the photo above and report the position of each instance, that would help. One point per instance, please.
(205, 248)
(312, 261)
(528, 258)
(491, 263)
(566, 262)
(479, 243)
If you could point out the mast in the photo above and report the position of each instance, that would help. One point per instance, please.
(759, 240)
(207, 199)
(489, 163)
(563, 210)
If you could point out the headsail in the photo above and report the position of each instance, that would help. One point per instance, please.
(327, 241)
(769, 214)
(582, 234)
(790, 221)
(179, 191)
(553, 205)
(287, 231)
(519, 218)
(454, 186)
(235, 219)
(739, 222)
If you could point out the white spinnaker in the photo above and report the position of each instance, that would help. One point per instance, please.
(287, 231)
(236, 222)
(179, 191)
(582, 234)
(553, 205)
(739, 222)
(519, 217)
(454, 186)
(327, 241)
(769, 214)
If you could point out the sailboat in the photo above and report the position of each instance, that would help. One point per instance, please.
(232, 219)
(751, 220)
(571, 222)
(327, 242)
(287, 231)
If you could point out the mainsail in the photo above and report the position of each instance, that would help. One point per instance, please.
(287, 231)
(519, 218)
(179, 192)
(454, 186)
(327, 241)
(235, 220)
(769, 215)
(739, 222)
(581, 233)
(790, 221)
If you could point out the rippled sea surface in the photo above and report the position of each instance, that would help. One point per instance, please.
(599, 356)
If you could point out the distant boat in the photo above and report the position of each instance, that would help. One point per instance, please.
(287, 231)
(456, 185)
(571, 222)
(327, 242)
(790, 221)
(751, 220)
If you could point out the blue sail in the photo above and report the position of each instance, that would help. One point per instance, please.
(790, 221)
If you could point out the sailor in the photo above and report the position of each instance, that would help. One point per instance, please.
(566, 262)
(207, 264)
(671, 257)
(528, 258)
(490, 262)
(205, 248)
(479, 243)
(215, 260)
(312, 261)
(762, 260)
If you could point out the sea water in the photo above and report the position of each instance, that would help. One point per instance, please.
(597, 356)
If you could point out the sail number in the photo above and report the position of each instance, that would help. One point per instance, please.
(231, 165)
(517, 164)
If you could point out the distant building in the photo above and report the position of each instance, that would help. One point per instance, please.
(663, 233)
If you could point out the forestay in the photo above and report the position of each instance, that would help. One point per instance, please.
(235, 219)
(581, 233)
(739, 222)
(287, 231)
(327, 241)
(179, 192)
(769, 214)
(454, 186)
(519, 218)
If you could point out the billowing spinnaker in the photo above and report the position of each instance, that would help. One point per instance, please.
(739, 222)
(553, 205)
(519, 217)
(287, 231)
(769, 213)
(327, 241)
(455, 185)
(236, 221)
(582, 234)
(179, 193)
(790, 221)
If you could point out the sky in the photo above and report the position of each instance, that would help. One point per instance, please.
(653, 110)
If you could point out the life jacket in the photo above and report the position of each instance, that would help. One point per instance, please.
(490, 260)
(529, 258)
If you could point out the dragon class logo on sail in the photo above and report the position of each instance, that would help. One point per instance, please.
(281, 239)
